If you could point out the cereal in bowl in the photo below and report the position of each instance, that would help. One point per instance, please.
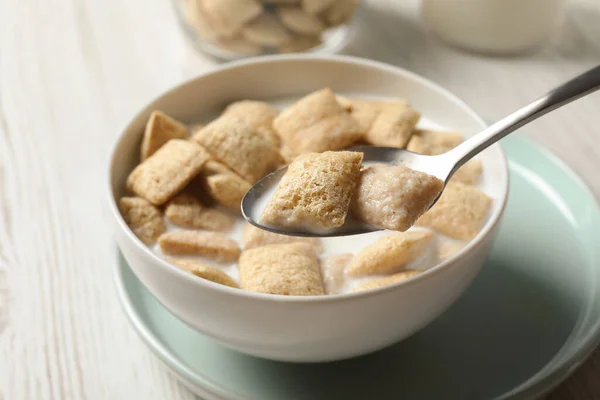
(143, 218)
(204, 271)
(237, 143)
(393, 126)
(159, 130)
(459, 213)
(183, 200)
(317, 123)
(386, 280)
(212, 245)
(188, 211)
(162, 175)
(280, 269)
(390, 253)
(222, 185)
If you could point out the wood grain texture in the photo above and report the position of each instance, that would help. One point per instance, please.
(72, 74)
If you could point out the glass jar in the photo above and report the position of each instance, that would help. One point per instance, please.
(233, 29)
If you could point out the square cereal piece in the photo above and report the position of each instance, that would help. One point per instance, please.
(305, 112)
(238, 145)
(212, 245)
(393, 126)
(231, 15)
(280, 269)
(187, 211)
(258, 114)
(315, 192)
(332, 133)
(459, 213)
(255, 237)
(389, 254)
(394, 197)
(316, 6)
(447, 249)
(386, 280)
(469, 173)
(340, 12)
(160, 128)
(213, 167)
(221, 185)
(144, 219)
(166, 172)
(332, 270)
(228, 190)
(366, 111)
(432, 143)
(204, 271)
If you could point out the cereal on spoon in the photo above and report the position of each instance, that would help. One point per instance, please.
(185, 195)
(315, 192)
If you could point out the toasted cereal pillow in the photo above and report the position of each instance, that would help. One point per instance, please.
(204, 271)
(386, 280)
(258, 114)
(143, 217)
(187, 211)
(317, 123)
(161, 128)
(280, 269)
(389, 254)
(393, 126)
(459, 213)
(366, 111)
(394, 197)
(237, 144)
(212, 245)
(315, 192)
(221, 185)
(430, 142)
(162, 175)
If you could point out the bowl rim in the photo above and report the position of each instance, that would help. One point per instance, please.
(453, 261)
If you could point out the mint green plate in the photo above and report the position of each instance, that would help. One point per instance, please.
(527, 321)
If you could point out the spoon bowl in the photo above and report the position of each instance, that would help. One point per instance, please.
(254, 201)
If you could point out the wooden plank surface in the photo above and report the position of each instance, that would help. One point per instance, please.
(72, 74)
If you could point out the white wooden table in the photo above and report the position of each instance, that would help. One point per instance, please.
(72, 73)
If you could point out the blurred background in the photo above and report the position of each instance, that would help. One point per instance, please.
(73, 73)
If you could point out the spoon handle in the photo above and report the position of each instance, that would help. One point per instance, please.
(580, 86)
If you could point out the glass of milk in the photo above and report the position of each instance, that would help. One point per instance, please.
(492, 26)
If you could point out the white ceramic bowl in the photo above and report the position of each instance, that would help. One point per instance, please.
(307, 329)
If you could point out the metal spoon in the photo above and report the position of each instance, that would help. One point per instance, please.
(442, 166)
